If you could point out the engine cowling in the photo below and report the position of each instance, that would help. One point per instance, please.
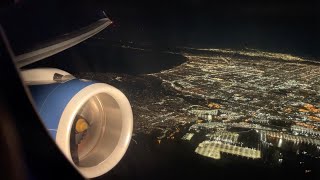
(91, 122)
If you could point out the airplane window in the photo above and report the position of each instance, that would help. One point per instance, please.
(175, 89)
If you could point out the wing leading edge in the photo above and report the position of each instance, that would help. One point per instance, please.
(61, 43)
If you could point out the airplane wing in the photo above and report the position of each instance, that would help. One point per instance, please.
(91, 122)
(61, 43)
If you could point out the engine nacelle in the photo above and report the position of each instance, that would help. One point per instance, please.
(91, 122)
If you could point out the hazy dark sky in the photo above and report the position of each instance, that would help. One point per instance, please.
(275, 25)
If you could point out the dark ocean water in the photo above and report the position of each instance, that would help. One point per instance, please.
(295, 36)
(272, 26)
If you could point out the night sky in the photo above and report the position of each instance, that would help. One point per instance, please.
(290, 27)
(271, 25)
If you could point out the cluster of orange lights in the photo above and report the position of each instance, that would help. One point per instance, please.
(309, 108)
(305, 125)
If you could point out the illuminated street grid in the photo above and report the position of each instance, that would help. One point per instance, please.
(254, 90)
(226, 86)
(249, 104)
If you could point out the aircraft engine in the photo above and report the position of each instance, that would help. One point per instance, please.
(91, 122)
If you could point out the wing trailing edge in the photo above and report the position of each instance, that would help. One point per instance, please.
(61, 43)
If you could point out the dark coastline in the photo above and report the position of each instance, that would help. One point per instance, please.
(97, 55)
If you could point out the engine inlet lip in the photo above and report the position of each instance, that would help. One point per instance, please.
(70, 112)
